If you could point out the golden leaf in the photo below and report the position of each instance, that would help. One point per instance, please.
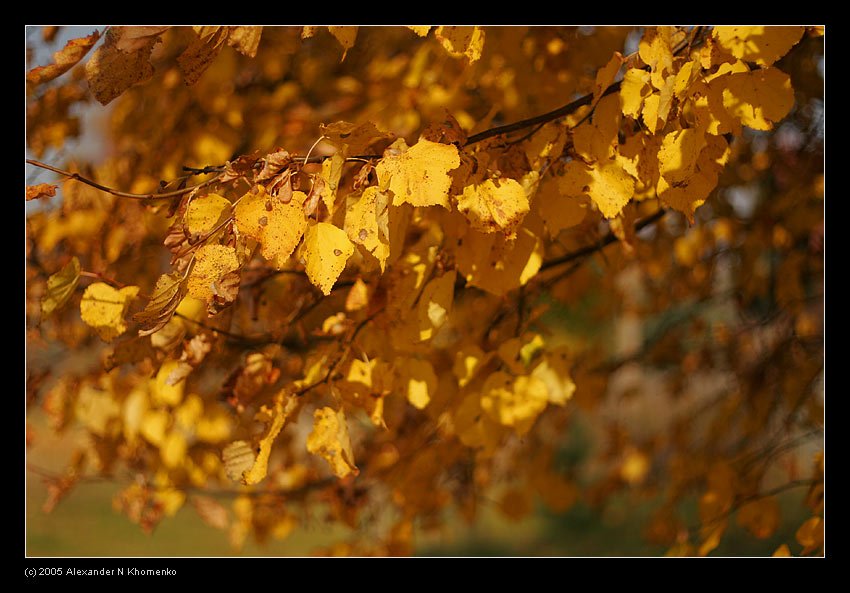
(421, 30)
(418, 175)
(285, 406)
(345, 36)
(103, 308)
(759, 98)
(419, 381)
(605, 76)
(212, 263)
(330, 441)
(462, 41)
(277, 226)
(514, 402)
(606, 183)
(326, 251)
(492, 206)
(164, 390)
(205, 212)
(762, 45)
(634, 90)
(366, 222)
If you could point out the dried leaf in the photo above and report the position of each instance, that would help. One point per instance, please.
(201, 52)
(111, 71)
(42, 190)
(212, 512)
(60, 287)
(167, 294)
(245, 39)
(63, 60)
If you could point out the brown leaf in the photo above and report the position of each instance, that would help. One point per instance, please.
(224, 292)
(42, 190)
(210, 510)
(196, 58)
(273, 164)
(169, 291)
(63, 60)
(245, 40)
(242, 166)
(196, 349)
(446, 132)
(111, 71)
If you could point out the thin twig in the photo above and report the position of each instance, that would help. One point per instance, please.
(121, 194)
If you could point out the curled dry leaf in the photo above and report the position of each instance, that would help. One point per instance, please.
(63, 60)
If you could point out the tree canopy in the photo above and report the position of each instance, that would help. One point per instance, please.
(385, 276)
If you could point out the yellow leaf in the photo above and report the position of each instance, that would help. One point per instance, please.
(782, 552)
(558, 212)
(419, 380)
(762, 45)
(810, 535)
(205, 212)
(60, 287)
(96, 409)
(173, 449)
(331, 172)
(366, 222)
(418, 175)
(326, 251)
(435, 304)
(63, 60)
(103, 308)
(605, 76)
(345, 36)
(238, 458)
(284, 407)
(555, 372)
(330, 440)
(165, 392)
(462, 41)
(496, 264)
(679, 152)
(212, 262)
(358, 296)
(494, 205)
(153, 426)
(712, 540)
(690, 193)
(634, 90)
(277, 226)
(514, 402)
(468, 361)
(655, 51)
(634, 467)
(759, 98)
(606, 183)
(421, 30)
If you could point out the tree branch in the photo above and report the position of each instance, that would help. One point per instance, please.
(604, 242)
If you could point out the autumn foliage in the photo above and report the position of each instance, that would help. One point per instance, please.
(382, 275)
